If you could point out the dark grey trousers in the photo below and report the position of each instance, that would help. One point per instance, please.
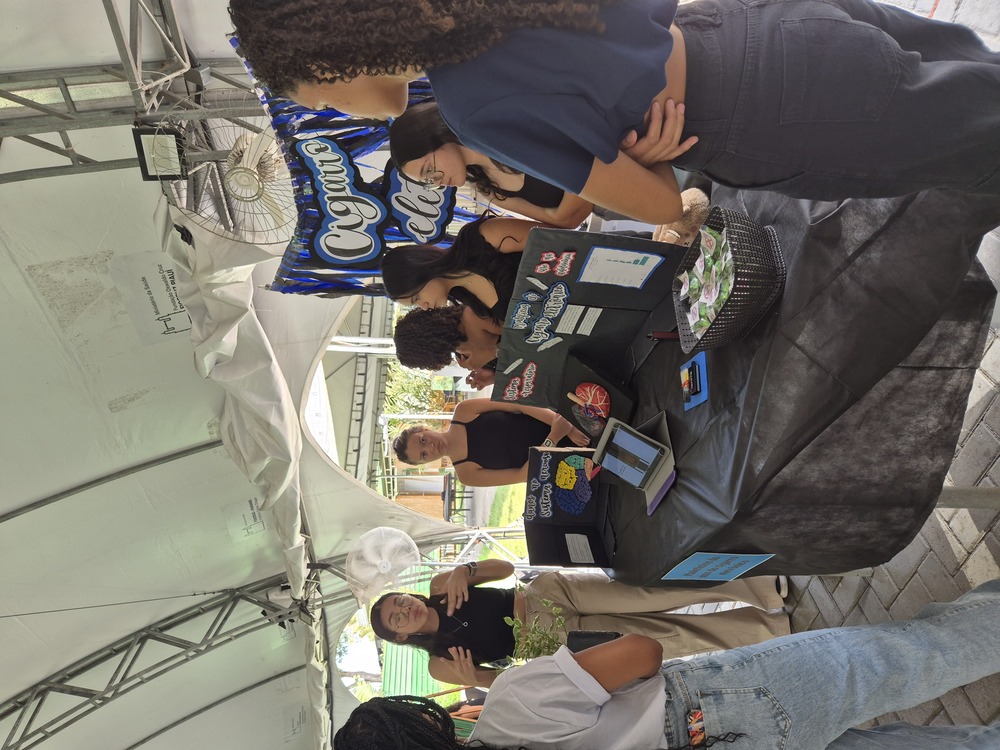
(833, 99)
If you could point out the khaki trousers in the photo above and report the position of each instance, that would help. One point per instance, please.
(592, 601)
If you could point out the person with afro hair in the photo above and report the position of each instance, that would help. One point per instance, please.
(431, 339)
(813, 99)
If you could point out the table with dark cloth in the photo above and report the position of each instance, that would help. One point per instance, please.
(829, 429)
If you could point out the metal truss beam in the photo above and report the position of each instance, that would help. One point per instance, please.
(57, 102)
(124, 655)
(98, 97)
(147, 90)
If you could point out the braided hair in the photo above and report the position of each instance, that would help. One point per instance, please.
(408, 722)
(306, 40)
(426, 339)
(403, 722)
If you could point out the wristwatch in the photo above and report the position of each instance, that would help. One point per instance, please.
(472, 566)
(547, 443)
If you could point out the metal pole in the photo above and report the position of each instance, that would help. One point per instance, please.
(970, 497)
(443, 417)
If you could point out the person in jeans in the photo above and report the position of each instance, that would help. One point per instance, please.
(815, 99)
(800, 692)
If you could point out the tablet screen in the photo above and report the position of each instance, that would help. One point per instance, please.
(629, 457)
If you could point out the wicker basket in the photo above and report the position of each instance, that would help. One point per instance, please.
(759, 281)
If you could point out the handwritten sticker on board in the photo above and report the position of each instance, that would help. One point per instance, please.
(523, 385)
(628, 268)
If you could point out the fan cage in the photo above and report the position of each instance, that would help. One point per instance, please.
(255, 204)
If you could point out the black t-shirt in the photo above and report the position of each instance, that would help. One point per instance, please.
(478, 625)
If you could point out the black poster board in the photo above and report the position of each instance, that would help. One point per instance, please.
(582, 296)
(566, 508)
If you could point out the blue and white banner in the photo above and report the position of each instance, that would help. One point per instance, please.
(345, 223)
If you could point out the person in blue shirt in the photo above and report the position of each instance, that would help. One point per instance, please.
(425, 151)
(819, 99)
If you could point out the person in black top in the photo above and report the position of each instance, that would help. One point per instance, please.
(462, 624)
(479, 269)
(477, 631)
(488, 441)
(424, 150)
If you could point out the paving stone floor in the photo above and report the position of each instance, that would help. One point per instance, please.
(957, 549)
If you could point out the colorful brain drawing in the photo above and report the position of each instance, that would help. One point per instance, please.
(565, 476)
(572, 490)
(596, 400)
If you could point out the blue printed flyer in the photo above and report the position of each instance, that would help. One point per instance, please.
(694, 381)
(714, 566)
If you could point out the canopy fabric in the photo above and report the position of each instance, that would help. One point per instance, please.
(129, 511)
(263, 349)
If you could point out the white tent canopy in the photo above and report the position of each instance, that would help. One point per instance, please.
(161, 481)
(126, 510)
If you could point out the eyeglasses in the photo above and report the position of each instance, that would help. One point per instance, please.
(401, 618)
(430, 176)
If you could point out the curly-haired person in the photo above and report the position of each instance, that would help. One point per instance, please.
(816, 99)
(430, 339)
(344, 40)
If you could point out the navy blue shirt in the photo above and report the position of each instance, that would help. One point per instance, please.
(547, 101)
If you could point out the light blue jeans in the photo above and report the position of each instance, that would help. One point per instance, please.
(903, 736)
(805, 691)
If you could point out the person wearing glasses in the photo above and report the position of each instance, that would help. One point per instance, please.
(425, 151)
(807, 691)
(479, 269)
(461, 624)
(814, 99)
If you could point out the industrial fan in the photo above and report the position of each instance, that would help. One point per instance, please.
(379, 558)
(235, 181)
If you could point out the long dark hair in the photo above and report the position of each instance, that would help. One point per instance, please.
(407, 268)
(436, 644)
(426, 339)
(421, 130)
(290, 42)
